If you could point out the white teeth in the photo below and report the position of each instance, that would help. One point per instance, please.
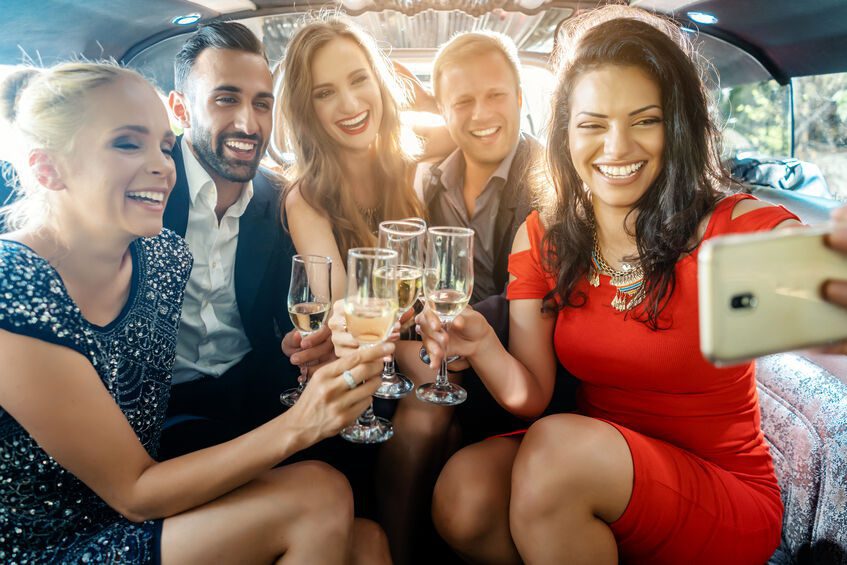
(147, 195)
(240, 145)
(355, 121)
(624, 171)
(484, 132)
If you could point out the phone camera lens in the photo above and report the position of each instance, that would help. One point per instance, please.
(744, 301)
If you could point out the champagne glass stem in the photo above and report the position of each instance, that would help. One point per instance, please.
(441, 378)
(304, 378)
(388, 368)
(367, 417)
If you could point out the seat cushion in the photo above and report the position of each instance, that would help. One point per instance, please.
(804, 417)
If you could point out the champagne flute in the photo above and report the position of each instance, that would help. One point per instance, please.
(308, 305)
(407, 239)
(448, 284)
(370, 309)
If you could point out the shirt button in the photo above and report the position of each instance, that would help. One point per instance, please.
(214, 264)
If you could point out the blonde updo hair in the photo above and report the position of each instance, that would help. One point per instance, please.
(46, 107)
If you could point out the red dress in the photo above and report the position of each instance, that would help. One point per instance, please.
(704, 488)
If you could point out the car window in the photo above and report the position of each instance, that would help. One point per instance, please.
(820, 127)
(756, 120)
(7, 138)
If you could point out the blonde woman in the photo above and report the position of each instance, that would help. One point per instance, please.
(91, 290)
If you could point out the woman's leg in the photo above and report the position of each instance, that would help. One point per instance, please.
(300, 513)
(470, 506)
(407, 467)
(370, 545)
(572, 477)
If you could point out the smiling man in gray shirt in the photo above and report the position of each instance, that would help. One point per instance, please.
(486, 183)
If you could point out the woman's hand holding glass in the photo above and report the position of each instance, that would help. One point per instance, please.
(370, 311)
(329, 403)
(463, 337)
(448, 285)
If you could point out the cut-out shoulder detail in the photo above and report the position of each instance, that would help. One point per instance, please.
(521, 241)
(746, 206)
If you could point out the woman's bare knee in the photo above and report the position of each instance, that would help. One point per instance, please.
(370, 544)
(571, 462)
(324, 494)
(470, 496)
(301, 509)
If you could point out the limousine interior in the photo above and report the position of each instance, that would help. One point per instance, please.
(780, 81)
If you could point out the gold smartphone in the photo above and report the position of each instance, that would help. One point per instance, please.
(760, 293)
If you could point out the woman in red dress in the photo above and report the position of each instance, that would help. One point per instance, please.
(664, 461)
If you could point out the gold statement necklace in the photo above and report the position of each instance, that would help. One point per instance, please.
(627, 281)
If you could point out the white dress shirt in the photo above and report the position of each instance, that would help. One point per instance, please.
(211, 336)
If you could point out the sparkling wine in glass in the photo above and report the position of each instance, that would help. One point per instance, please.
(308, 305)
(370, 310)
(407, 238)
(448, 285)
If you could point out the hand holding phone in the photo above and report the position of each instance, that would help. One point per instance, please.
(761, 293)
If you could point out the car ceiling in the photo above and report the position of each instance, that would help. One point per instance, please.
(789, 37)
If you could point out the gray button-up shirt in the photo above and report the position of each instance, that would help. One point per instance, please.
(450, 207)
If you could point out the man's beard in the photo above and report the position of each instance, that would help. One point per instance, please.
(234, 170)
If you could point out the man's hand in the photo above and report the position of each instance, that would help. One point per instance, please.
(308, 352)
(423, 101)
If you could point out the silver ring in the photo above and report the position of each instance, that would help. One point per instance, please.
(348, 378)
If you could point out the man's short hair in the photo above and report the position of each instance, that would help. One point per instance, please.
(472, 44)
(215, 35)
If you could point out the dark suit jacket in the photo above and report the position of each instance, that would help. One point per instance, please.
(515, 203)
(262, 259)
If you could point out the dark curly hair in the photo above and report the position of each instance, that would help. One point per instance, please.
(685, 191)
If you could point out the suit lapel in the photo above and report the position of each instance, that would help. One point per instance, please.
(255, 246)
(509, 199)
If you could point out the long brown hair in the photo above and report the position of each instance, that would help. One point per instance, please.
(317, 170)
(684, 193)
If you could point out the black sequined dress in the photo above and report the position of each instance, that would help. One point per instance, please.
(46, 513)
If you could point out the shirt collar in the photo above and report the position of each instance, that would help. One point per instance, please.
(200, 181)
(502, 171)
(452, 169)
